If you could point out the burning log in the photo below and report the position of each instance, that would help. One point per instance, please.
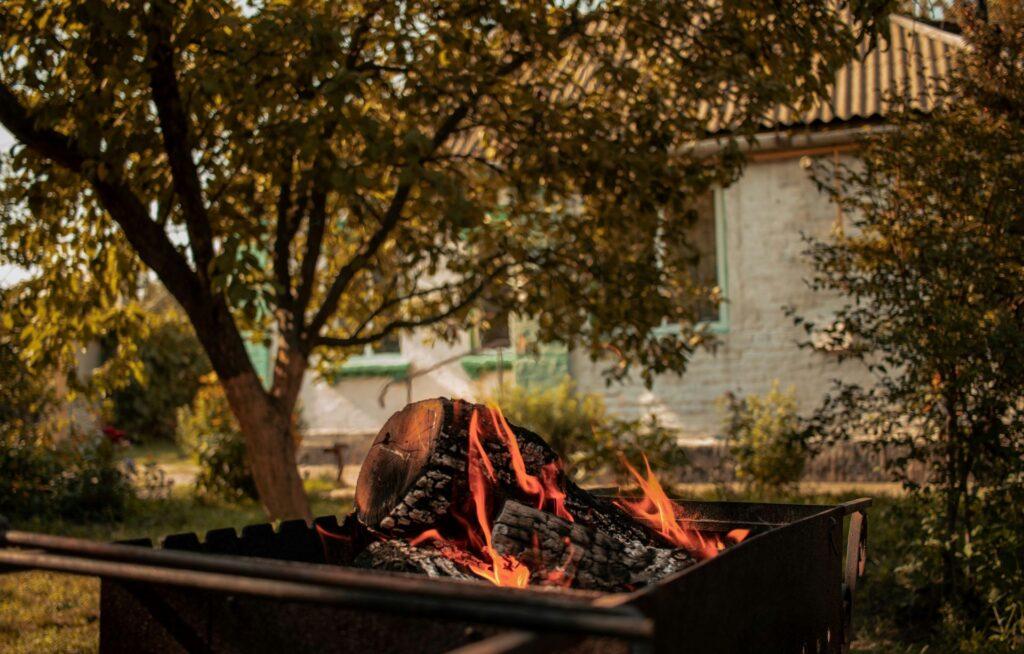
(441, 467)
(559, 552)
(417, 467)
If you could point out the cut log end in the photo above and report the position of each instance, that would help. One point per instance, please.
(397, 458)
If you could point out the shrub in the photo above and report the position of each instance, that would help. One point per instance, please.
(765, 439)
(77, 477)
(172, 362)
(929, 269)
(208, 430)
(565, 418)
(635, 440)
(589, 440)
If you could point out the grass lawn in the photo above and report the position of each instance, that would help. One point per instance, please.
(44, 612)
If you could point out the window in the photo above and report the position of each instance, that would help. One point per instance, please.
(494, 332)
(700, 249)
(390, 344)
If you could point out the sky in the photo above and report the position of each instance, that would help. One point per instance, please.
(9, 275)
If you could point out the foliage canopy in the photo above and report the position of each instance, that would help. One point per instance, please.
(326, 173)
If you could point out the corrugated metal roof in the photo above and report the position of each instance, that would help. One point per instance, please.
(913, 59)
(913, 62)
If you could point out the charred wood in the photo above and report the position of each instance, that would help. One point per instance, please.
(416, 468)
(558, 551)
(398, 555)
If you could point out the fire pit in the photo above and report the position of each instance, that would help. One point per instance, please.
(568, 570)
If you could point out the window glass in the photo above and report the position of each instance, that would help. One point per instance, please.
(494, 330)
(390, 344)
(698, 251)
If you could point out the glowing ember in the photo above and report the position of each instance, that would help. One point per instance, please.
(563, 574)
(658, 512)
(738, 535)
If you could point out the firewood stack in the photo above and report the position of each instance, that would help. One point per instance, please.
(447, 482)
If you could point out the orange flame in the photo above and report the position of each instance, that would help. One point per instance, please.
(544, 488)
(475, 548)
(564, 573)
(477, 552)
(503, 570)
(658, 512)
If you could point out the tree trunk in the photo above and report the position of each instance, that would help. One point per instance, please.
(952, 491)
(264, 418)
(269, 445)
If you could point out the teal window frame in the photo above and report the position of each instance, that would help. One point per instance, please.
(373, 364)
(476, 365)
(721, 324)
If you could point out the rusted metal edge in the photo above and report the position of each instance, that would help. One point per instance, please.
(315, 573)
(577, 618)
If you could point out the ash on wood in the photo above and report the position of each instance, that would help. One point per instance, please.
(415, 477)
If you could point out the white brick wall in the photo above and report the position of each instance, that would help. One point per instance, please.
(765, 213)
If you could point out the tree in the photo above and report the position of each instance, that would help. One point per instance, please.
(931, 266)
(173, 364)
(324, 174)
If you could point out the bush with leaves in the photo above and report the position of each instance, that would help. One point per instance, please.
(172, 363)
(208, 430)
(589, 440)
(76, 476)
(766, 440)
(932, 272)
(564, 417)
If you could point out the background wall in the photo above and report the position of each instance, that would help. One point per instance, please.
(765, 213)
(350, 411)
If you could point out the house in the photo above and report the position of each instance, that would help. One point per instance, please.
(750, 235)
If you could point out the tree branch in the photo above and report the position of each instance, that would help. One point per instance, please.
(393, 214)
(176, 134)
(359, 261)
(395, 325)
(314, 242)
(146, 236)
(285, 231)
(398, 299)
